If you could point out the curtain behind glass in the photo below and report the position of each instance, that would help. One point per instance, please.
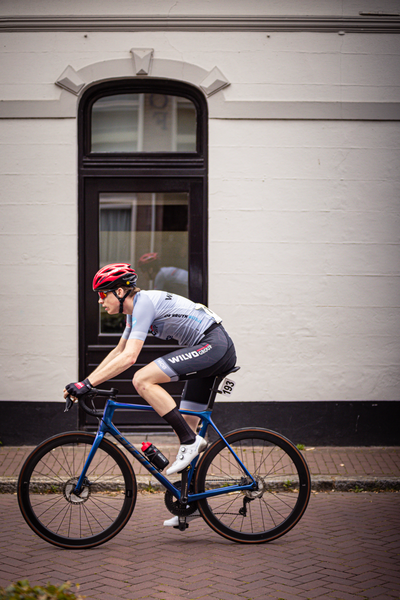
(115, 228)
(135, 224)
(130, 123)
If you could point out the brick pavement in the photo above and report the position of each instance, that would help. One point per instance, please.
(345, 547)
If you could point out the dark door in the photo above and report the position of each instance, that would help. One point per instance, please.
(124, 219)
(142, 189)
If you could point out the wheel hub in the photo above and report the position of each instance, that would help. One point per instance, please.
(68, 490)
(258, 491)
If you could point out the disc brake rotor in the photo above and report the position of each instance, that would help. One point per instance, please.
(259, 491)
(69, 487)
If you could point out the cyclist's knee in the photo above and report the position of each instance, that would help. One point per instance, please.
(139, 381)
(151, 374)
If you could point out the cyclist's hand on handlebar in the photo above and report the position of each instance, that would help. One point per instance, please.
(66, 396)
(78, 389)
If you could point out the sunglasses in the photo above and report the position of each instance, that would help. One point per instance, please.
(103, 295)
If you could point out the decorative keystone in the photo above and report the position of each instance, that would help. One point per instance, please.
(70, 81)
(142, 58)
(214, 82)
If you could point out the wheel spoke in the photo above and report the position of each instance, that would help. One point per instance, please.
(56, 501)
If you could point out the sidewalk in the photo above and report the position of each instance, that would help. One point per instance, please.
(332, 468)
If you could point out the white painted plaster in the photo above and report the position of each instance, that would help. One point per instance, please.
(304, 216)
(285, 66)
(304, 256)
(38, 262)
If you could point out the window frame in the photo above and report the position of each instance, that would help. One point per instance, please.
(197, 159)
(108, 172)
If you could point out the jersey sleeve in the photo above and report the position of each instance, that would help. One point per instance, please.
(138, 324)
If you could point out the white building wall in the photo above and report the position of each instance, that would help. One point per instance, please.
(304, 231)
(38, 258)
(289, 66)
(305, 256)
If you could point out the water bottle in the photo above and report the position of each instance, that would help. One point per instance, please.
(154, 455)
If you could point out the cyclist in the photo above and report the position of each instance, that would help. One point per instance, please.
(208, 351)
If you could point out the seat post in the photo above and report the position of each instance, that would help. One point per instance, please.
(209, 387)
(214, 389)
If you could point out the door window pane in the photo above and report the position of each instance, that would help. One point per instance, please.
(143, 123)
(148, 226)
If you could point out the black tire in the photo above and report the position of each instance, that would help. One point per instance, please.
(283, 492)
(48, 477)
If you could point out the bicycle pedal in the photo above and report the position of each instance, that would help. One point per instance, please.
(182, 524)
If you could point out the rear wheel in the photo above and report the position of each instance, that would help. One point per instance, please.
(47, 481)
(274, 506)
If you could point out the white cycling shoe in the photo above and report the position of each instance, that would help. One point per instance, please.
(186, 454)
(174, 521)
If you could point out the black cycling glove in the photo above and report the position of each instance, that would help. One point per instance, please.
(79, 389)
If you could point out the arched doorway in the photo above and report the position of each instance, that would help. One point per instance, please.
(142, 188)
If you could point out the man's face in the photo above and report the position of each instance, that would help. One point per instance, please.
(109, 302)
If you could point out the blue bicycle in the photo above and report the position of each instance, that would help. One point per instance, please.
(78, 490)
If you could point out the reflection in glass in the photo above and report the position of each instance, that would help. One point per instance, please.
(143, 123)
(115, 124)
(136, 224)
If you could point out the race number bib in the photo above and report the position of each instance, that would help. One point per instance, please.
(227, 386)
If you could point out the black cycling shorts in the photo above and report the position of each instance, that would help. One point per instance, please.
(214, 354)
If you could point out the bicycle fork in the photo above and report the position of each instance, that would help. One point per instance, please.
(82, 479)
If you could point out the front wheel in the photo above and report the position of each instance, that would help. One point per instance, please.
(277, 502)
(48, 479)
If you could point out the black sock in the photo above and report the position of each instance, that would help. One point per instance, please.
(185, 434)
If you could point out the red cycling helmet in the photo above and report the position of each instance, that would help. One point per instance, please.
(146, 259)
(113, 276)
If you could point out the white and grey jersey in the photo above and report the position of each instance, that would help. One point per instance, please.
(168, 316)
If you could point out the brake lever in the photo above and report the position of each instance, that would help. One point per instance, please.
(68, 404)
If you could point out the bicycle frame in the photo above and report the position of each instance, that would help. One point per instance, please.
(107, 426)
